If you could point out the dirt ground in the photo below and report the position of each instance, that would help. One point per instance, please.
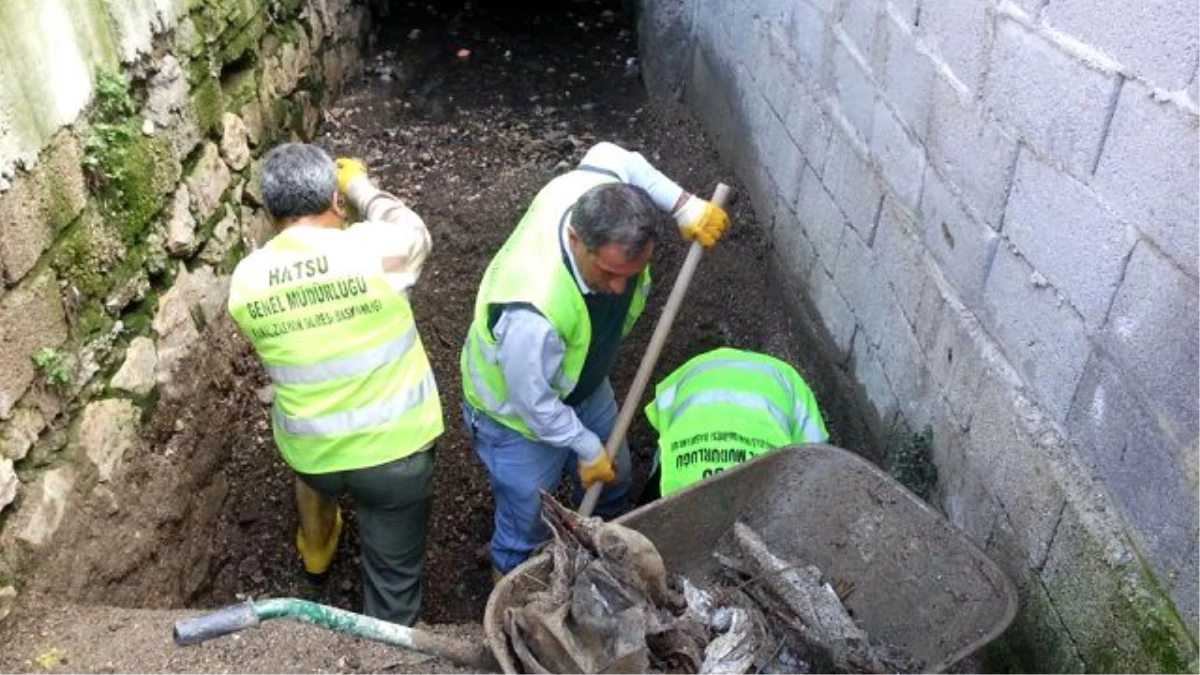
(467, 139)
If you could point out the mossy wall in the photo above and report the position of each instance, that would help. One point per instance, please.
(129, 146)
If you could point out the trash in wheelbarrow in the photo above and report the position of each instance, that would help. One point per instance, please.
(925, 595)
(919, 586)
(609, 607)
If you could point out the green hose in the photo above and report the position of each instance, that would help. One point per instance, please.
(250, 614)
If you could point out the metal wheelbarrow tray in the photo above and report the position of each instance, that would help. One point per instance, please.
(920, 585)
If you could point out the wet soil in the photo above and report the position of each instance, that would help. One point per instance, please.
(465, 111)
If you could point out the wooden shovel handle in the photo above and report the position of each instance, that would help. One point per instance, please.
(630, 406)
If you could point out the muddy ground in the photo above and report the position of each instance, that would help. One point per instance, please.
(467, 138)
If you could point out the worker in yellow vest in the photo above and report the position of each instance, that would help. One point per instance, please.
(725, 407)
(551, 310)
(356, 409)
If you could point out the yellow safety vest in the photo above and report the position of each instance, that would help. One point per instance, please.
(529, 269)
(725, 407)
(353, 386)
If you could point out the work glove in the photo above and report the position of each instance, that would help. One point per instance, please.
(347, 170)
(702, 221)
(599, 469)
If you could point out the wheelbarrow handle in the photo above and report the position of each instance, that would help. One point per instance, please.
(642, 378)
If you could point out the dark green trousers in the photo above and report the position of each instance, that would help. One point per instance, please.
(392, 503)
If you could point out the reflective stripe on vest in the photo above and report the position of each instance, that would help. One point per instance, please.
(799, 420)
(742, 399)
(355, 364)
(725, 407)
(350, 421)
(809, 428)
(353, 385)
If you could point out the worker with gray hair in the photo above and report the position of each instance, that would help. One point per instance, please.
(356, 408)
(552, 308)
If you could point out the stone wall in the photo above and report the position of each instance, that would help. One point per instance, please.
(129, 132)
(990, 210)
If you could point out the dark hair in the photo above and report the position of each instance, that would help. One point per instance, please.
(617, 213)
(298, 179)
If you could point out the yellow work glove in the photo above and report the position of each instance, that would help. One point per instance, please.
(700, 220)
(599, 469)
(347, 170)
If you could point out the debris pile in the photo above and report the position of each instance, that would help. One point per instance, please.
(610, 605)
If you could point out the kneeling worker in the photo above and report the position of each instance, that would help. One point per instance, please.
(723, 408)
(356, 409)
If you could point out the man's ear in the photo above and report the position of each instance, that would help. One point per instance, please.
(338, 206)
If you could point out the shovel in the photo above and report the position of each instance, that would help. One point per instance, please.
(642, 378)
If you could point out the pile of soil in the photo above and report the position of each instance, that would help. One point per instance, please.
(465, 110)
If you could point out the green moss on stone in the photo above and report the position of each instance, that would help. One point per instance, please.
(289, 8)
(217, 19)
(241, 89)
(910, 460)
(207, 20)
(243, 40)
(201, 69)
(208, 103)
(204, 230)
(61, 182)
(233, 256)
(1160, 644)
(290, 32)
(86, 254)
(243, 13)
(61, 205)
(148, 172)
(1000, 657)
(93, 256)
(314, 84)
(138, 317)
(1036, 641)
(92, 321)
(1166, 645)
(130, 173)
(284, 117)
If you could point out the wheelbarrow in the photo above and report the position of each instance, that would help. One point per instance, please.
(920, 585)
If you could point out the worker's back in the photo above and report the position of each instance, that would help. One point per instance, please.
(342, 350)
(725, 407)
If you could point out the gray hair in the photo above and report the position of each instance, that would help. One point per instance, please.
(298, 179)
(617, 213)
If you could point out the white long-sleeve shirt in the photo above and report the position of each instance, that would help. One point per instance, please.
(530, 350)
(391, 231)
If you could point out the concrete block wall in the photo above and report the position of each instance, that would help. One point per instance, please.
(988, 209)
(129, 138)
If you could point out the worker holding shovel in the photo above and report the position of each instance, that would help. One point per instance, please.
(356, 409)
(552, 308)
(722, 408)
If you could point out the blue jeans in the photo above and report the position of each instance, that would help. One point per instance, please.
(520, 468)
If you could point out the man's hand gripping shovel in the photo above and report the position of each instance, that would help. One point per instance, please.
(650, 358)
